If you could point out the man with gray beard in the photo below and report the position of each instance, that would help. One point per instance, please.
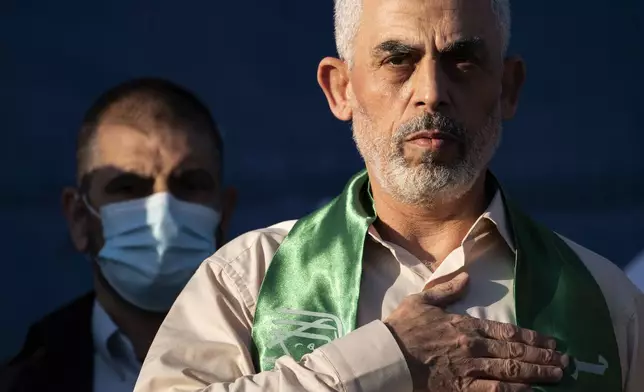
(422, 274)
(431, 179)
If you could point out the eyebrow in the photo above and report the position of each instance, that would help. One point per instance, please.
(473, 44)
(394, 46)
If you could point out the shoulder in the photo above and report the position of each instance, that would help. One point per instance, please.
(23, 374)
(253, 247)
(620, 293)
(69, 320)
(241, 264)
(626, 305)
(47, 344)
(75, 312)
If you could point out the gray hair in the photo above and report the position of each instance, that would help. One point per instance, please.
(347, 20)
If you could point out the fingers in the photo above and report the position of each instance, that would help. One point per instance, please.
(510, 370)
(512, 333)
(446, 293)
(471, 385)
(490, 348)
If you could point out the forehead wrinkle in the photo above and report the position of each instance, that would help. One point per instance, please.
(127, 147)
(440, 23)
(418, 36)
(167, 130)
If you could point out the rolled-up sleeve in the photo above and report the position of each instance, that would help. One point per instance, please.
(203, 345)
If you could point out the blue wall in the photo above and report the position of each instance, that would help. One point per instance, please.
(571, 156)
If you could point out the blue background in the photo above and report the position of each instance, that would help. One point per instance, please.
(571, 157)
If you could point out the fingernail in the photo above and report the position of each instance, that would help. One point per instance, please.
(558, 372)
(565, 360)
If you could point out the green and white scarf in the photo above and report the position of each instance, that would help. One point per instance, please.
(310, 294)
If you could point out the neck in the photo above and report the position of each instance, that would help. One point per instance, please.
(138, 325)
(429, 232)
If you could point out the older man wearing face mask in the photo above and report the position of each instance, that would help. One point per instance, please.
(423, 274)
(149, 207)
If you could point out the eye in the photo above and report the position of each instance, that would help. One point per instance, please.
(197, 180)
(194, 184)
(129, 186)
(464, 62)
(466, 66)
(399, 60)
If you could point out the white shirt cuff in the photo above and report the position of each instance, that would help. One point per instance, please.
(369, 359)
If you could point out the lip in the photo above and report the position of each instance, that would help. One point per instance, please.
(433, 134)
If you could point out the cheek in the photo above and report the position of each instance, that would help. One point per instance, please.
(478, 104)
(379, 101)
(372, 89)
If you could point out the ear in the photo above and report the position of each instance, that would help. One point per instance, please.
(333, 77)
(514, 73)
(77, 218)
(228, 203)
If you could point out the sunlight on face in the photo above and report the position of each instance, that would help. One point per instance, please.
(431, 67)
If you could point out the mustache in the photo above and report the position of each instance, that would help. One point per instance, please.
(436, 121)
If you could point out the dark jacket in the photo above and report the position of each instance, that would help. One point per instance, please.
(58, 353)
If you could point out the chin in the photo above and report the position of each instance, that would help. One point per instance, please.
(423, 184)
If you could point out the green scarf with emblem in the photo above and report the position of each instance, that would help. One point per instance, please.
(310, 293)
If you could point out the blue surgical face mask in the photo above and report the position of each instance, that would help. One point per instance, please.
(153, 246)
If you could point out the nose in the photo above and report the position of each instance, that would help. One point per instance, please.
(430, 86)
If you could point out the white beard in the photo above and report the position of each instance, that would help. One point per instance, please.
(426, 183)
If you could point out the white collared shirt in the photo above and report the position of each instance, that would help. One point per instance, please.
(115, 364)
(204, 343)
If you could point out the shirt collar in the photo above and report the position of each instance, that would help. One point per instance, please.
(103, 329)
(494, 213)
(110, 344)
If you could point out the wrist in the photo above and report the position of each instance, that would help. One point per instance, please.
(419, 371)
